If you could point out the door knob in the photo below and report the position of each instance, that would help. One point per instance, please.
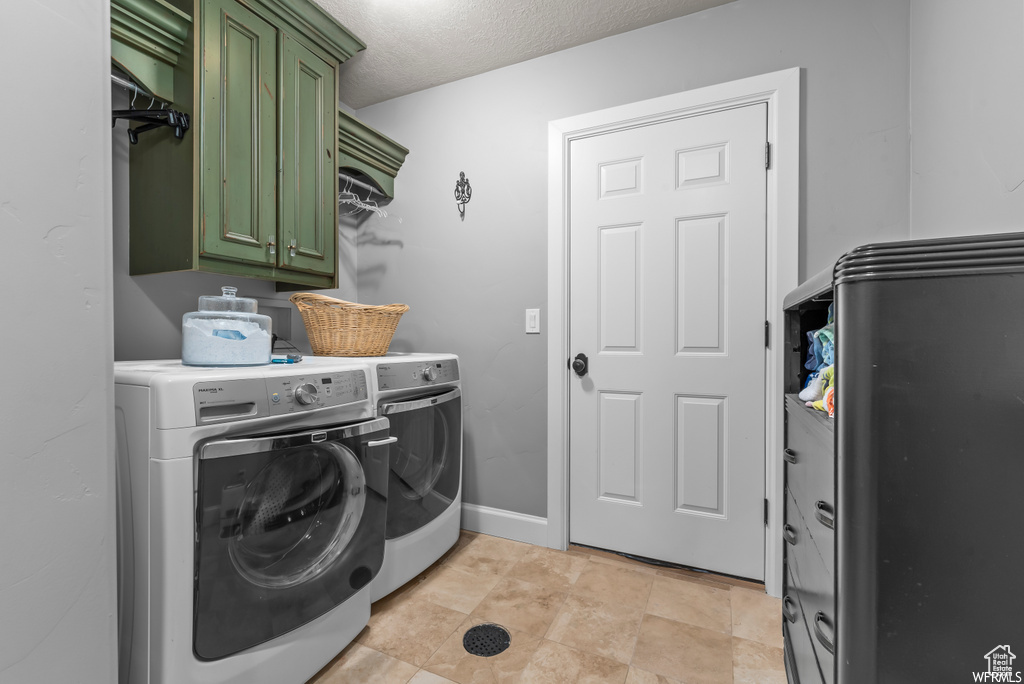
(580, 364)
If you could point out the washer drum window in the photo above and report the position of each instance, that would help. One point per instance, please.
(419, 457)
(299, 513)
(426, 462)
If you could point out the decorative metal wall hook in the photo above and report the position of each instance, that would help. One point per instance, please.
(463, 193)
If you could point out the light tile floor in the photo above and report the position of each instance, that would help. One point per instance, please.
(574, 616)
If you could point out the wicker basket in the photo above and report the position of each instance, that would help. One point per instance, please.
(339, 328)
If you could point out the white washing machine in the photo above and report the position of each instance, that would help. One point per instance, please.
(421, 396)
(252, 507)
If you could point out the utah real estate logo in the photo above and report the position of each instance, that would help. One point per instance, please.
(1000, 666)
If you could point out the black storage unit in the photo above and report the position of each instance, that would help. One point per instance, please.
(905, 513)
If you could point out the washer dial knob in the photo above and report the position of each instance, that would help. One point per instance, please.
(430, 374)
(306, 394)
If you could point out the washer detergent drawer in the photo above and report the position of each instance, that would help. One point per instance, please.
(288, 527)
(426, 461)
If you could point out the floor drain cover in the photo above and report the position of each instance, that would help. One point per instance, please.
(486, 640)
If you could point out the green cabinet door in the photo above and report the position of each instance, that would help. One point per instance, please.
(239, 128)
(308, 202)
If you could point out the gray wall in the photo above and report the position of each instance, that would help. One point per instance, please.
(967, 67)
(57, 579)
(468, 282)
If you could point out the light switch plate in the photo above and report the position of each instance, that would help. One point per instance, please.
(533, 321)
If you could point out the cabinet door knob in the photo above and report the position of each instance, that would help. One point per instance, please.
(292, 247)
(789, 455)
(271, 246)
(789, 534)
(825, 514)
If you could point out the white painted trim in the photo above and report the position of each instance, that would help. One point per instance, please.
(507, 524)
(781, 92)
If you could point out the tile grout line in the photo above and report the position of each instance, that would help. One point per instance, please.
(462, 622)
(565, 597)
(636, 639)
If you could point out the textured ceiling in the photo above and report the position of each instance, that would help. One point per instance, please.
(417, 44)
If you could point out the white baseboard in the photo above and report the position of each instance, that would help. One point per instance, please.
(507, 524)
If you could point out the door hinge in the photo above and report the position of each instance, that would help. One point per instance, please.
(767, 155)
(766, 512)
(767, 335)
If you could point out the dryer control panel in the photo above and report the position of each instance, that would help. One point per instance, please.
(228, 400)
(407, 374)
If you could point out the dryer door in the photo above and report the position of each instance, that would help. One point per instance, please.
(288, 527)
(426, 462)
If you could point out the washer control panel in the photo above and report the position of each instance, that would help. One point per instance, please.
(228, 400)
(406, 374)
(315, 390)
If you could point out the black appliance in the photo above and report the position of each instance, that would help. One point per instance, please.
(905, 513)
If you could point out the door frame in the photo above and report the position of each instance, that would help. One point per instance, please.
(780, 90)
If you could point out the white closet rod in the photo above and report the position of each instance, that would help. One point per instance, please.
(133, 88)
(344, 178)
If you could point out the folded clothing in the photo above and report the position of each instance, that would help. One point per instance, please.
(821, 345)
(827, 401)
(815, 387)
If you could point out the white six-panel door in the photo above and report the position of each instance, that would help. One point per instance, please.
(667, 231)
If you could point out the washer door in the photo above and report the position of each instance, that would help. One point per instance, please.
(288, 527)
(426, 462)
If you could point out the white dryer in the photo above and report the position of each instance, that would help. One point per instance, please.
(421, 396)
(251, 518)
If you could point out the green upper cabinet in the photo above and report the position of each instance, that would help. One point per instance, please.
(239, 124)
(251, 190)
(309, 173)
